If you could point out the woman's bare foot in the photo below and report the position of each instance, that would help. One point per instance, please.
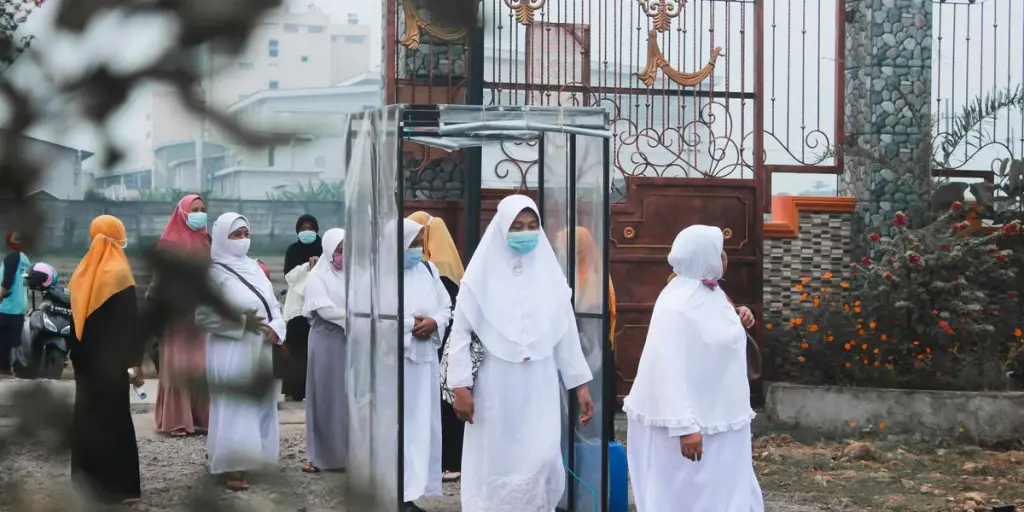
(310, 468)
(178, 433)
(235, 482)
(450, 476)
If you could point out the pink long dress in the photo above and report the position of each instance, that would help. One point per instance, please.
(183, 346)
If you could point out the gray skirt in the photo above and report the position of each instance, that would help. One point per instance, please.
(326, 402)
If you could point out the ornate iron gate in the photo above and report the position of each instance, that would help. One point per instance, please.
(707, 97)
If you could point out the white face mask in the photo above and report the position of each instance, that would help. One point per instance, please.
(238, 247)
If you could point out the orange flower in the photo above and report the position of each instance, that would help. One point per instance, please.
(881, 425)
(844, 284)
(799, 287)
(799, 320)
(877, 363)
(828, 275)
(801, 360)
(812, 327)
(856, 309)
(828, 338)
(875, 351)
(768, 326)
(872, 324)
(846, 346)
(826, 291)
(856, 303)
(805, 280)
(852, 424)
(863, 346)
(920, 356)
(847, 365)
(803, 297)
(804, 346)
(928, 350)
(846, 307)
(1017, 333)
(916, 343)
(865, 360)
(883, 337)
(815, 302)
(861, 332)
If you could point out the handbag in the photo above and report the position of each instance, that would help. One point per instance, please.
(476, 354)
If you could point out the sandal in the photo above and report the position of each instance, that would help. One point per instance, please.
(235, 482)
(129, 501)
(179, 433)
(310, 468)
(450, 476)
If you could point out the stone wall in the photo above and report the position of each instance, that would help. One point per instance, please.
(888, 82)
(822, 246)
(66, 230)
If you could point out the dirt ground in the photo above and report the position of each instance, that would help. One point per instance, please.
(861, 476)
(813, 477)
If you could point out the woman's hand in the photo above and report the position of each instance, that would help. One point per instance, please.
(137, 379)
(424, 327)
(463, 404)
(253, 323)
(271, 335)
(313, 260)
(586, 404)
(692, 446)
(746, 317)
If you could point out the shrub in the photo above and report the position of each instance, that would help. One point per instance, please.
(936, 308)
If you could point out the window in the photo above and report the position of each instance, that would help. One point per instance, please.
(272, 50)
(315, 29)
(270, 155)
(291, 27)
(355, 39)
(305, 58)
(246, 65)
(320, 162)
(274, 84)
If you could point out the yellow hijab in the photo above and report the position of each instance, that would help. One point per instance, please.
(587, 291)
(439, 247)
(103, 272)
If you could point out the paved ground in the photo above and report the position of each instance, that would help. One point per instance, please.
(33, 478)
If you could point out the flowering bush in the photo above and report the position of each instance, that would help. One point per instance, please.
(936, 307)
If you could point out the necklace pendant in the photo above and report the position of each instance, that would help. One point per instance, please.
(518, 269)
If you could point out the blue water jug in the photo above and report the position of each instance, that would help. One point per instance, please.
(587, 479)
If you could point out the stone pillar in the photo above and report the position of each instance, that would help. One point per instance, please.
(888, 68)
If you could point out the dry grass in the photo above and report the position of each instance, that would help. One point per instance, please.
(876, 476)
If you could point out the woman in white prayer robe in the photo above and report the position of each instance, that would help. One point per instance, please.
(689, 440)
(326, 400)
(427, 310)
(515, 298)
(243, 434)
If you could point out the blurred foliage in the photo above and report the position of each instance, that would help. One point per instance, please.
(321, 191)
(14, 13)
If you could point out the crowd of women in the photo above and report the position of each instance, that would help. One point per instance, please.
(488, 350)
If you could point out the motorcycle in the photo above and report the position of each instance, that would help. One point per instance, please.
(46, 335)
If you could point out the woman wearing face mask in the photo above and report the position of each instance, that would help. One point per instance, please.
(243, 432)
(689, 408)
(439, 249)
(514, 296)
(181, 408)
(104, 455)
(326, 406)
(299, 260)
(427, 311)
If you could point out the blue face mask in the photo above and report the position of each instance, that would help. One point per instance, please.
(307, 237)
(196, 220)
(413, 257)
(523, 242)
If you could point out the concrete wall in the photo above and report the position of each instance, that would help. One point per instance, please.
(840, 412)
(66, 230)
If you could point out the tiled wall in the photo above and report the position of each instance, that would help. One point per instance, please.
(822, 246)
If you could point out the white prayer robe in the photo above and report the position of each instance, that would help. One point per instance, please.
(512, 455)
(692, 378)
(425, 295)
(244, 433)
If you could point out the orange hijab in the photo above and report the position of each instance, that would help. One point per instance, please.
(439, 247)
(103, 272)
(587, 267)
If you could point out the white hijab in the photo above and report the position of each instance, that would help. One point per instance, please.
(325, 286)
(693, 371)
(220, 251)
(515, 314)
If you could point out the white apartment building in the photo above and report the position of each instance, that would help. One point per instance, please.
(291, 50)
(62, 165)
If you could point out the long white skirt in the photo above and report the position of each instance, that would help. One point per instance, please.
(512, 457)
(243, 433)
(422, 434)
(664, 481)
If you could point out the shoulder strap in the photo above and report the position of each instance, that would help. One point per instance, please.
(266, 305)
(429, 269)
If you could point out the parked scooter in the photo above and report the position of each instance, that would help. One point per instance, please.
(46, 336)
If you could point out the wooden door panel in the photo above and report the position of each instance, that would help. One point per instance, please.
(641, 234)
